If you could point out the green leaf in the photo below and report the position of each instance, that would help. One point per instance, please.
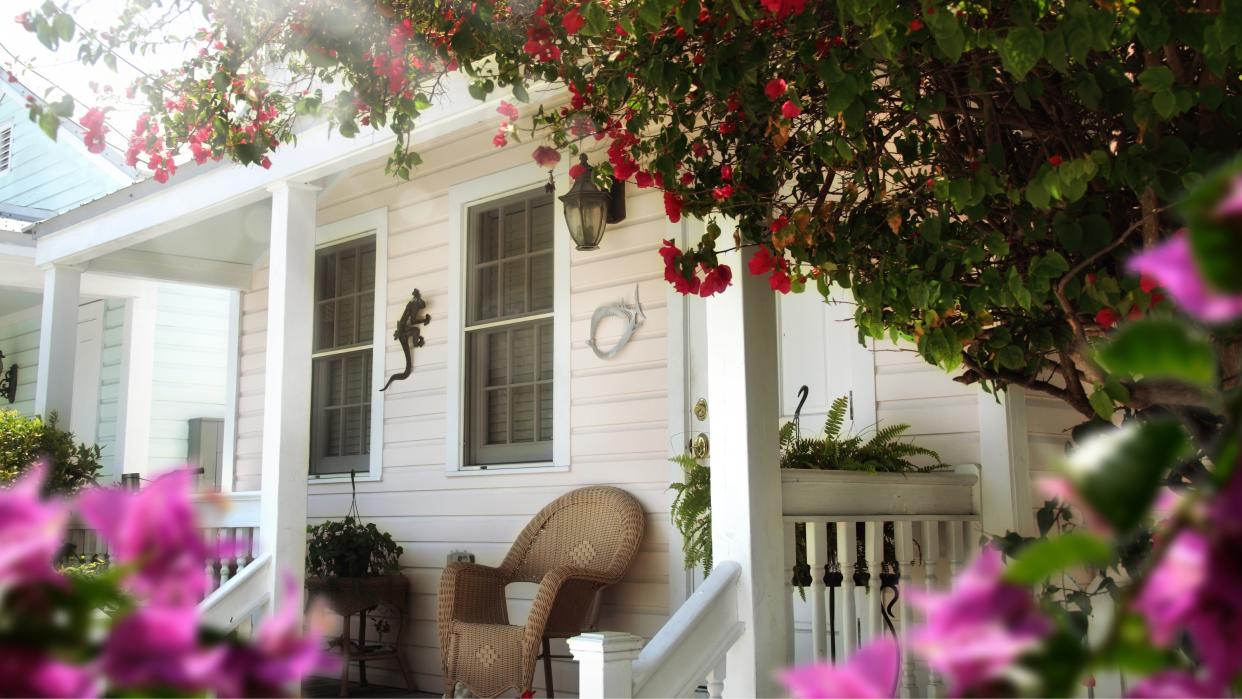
(1047, 557)
(1165, 104)
(64, 26)
(50, 123)
(520, 93)
(1011, 357)
(1021, 49)
(1102, 404)
(1216, 250)
(652, 13)
(947, 32)
(1161, 349)
(1157, 79)
(1117, 473)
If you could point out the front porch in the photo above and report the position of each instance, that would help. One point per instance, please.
(258, 234)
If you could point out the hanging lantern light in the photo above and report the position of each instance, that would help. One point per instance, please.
(588, 209)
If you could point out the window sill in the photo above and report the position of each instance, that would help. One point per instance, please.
(343, 478)
(503, 469)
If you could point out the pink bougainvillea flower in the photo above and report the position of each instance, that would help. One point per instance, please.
(973, 633)
(1172, 265)
(26, 672)
(871, 673)
(279, 656)
(154, 529)
(546, 156)
(96, 130)
(507, 110)
(32, 531)
(1174, 684)
(715, 280)
(775, 88)
(1173, 588)
(1231, 204)
(157, 646)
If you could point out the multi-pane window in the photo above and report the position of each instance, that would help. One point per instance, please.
(341, 362)
(509, 299)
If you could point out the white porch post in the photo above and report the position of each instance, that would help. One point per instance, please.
(746, 480)
(58, 342)
(287, 386)
(1004, 453)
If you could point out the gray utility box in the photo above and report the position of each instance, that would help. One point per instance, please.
(206, 451)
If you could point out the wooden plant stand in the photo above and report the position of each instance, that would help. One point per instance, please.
(349, 596)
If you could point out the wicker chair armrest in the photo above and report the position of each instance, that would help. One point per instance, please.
(545, 598)
(472, 593)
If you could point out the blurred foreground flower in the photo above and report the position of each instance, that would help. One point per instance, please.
(31, 532)
(1173, 266)
(870, 673)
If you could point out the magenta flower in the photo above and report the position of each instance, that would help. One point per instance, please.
(25, 672)
(871, 673)
(32, 531)
(154, 529)
(975, 632)
(157, 646)
(1173, 684)
(1172, 590)
(1172, 265)
(1231, 205)
(279, 656)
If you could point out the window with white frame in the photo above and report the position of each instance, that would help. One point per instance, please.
(341, 383)
(509, 331)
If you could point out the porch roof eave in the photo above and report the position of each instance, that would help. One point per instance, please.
(146, 210)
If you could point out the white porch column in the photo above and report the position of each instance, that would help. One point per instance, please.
(746, 479)
(1004, 455)
(58, 342)
(287, 386)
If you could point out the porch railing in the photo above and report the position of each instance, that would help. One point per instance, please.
(231, 519)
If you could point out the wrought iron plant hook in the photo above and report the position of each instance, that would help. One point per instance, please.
(409, 334)
(8, 382)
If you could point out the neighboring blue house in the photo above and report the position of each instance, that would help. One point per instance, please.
(150, 357)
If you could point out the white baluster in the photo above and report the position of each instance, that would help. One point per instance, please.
(227, 541)
(904, 536)
(847, 550)
(716, 680)
(210, 536)
(957, 546)
(817, 557)
(931, 557)
(791, 567)
(875, 564)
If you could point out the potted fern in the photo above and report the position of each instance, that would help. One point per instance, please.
(845, 474)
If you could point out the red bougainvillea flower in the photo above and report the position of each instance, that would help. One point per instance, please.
(1055, 160)
(573, 21)
(784, 8)
(1148, 284)
(915, 25)
(726, 172)
(93, 122)
(779, 280)
(775, 88)
(790, 110)
(779, 223)
(722, 192)
(715, 280)
(672, 274)
(31, 531)
(1171, 264)
(643, 179)
(577, 170)
(507, 110)
(762, 261)
(672, 206)
(870, 673)
(501, 139)
(1106, 318)
(546, 156)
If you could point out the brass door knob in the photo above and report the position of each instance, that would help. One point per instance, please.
(699, 446)
(700, 409)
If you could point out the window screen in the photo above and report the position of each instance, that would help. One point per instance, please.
(341, 364)
(509, 331)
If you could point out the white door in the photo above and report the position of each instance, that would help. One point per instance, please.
(84, 418)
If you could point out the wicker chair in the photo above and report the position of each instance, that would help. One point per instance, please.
(576, 546)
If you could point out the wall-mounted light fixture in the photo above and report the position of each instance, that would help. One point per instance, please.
(8, 383)
(588, 209)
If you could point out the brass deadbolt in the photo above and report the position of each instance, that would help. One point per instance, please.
(700, 409)
(699, 446)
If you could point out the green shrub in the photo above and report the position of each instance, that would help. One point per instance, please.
(25, 440)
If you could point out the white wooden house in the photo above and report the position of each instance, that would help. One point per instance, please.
(322, 252)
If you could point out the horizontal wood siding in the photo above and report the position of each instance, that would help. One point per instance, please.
(618, 432)
(943, 414)
(110, 381)
(19, 340)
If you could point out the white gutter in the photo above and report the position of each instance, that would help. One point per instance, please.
(147, 210)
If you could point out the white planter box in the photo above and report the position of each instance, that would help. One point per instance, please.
(833, 495)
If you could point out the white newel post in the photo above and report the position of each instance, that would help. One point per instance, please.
(746, 480)
(287, 386)
(58, 342)
(1004, 454)
(605, 664)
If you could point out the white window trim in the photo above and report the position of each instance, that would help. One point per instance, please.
(371, 222)
(491, 187)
